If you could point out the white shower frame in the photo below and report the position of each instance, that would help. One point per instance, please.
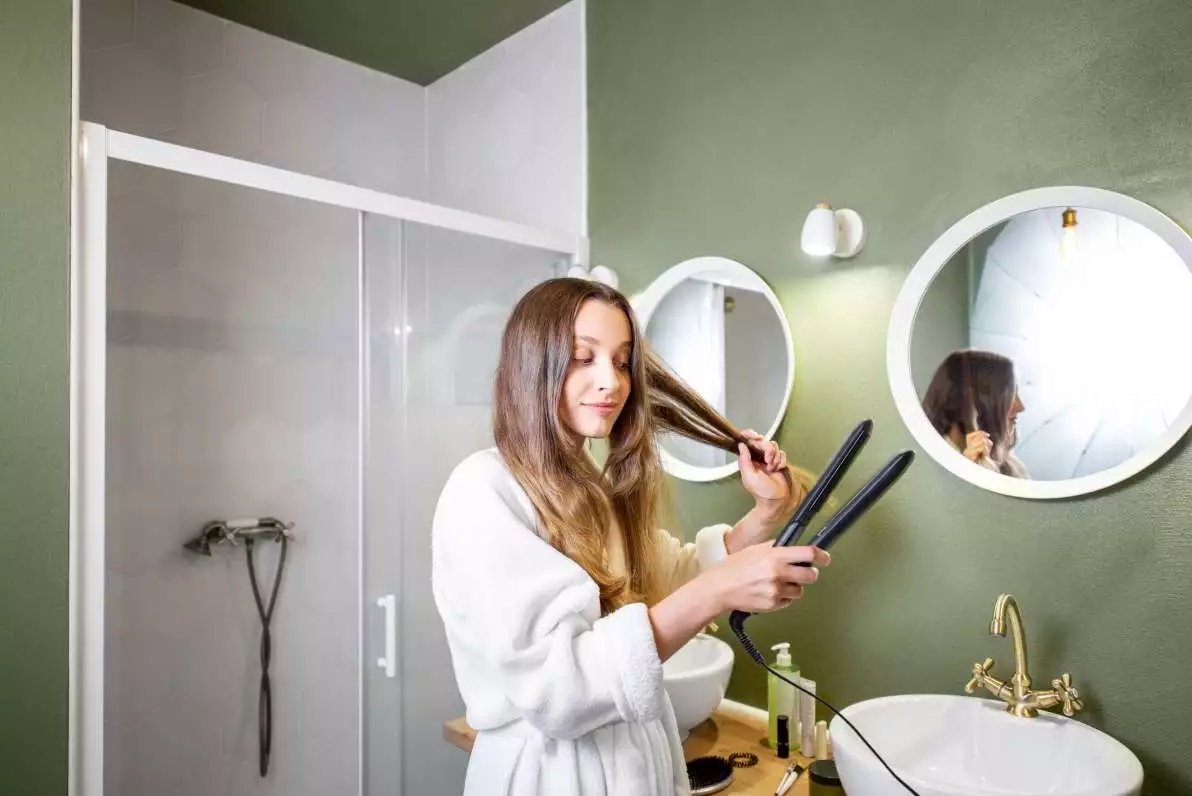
(88, 375)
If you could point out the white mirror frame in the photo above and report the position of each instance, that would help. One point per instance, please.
(899, 338)
(646, 302)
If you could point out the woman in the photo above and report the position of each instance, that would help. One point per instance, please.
(560, 596)
(972, 401)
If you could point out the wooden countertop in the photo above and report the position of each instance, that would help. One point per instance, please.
(724, 733)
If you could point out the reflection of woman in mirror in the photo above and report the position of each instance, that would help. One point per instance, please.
(973, 403)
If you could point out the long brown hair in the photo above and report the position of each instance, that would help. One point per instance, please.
(974, 390)
(574, 501)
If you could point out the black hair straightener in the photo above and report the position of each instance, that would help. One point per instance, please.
(833, 529)
(843, 519)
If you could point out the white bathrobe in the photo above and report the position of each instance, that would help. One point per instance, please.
(565, 702)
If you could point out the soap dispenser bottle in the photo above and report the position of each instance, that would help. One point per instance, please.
(782, 698)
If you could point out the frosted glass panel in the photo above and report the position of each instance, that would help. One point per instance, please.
(232, 392)
(437, 303)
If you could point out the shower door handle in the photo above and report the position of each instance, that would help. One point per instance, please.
(389, 662)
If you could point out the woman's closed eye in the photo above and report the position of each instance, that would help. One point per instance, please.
(589, 360)
(584, 357)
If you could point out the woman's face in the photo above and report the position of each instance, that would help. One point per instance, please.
(597, 383)
(1016, 409)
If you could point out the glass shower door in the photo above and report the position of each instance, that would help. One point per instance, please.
(250, 344)
(436, 303)
(232, 359)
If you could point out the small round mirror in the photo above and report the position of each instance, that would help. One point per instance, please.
(1039, 347)
(720, 328)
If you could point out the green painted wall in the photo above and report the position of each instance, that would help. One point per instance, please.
(417, 40)
(35, 53)
(715, 127)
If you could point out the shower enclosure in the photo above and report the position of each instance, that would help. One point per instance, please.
(251, 342)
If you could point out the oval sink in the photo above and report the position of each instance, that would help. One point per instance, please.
(965, 746)
(695, 679)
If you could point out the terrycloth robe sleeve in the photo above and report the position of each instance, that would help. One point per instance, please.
(680, 562)
(523, 620)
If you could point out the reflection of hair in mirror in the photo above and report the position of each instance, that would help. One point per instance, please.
(576, 508)
(975, 391)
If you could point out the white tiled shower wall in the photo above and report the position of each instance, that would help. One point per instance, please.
(507, 130)
(232, 367)
(503, 135)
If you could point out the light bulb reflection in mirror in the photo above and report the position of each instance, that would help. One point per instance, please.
(1069, 245)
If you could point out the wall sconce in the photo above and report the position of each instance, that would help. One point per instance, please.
(840, 233)
(599, 273)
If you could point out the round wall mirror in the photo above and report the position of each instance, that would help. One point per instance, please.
(720, 328)
(1039, 347)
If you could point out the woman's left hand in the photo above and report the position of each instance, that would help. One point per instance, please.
(772, 487)
(768, 481)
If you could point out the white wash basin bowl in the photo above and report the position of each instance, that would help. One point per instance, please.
(966, 746)
(695, 678)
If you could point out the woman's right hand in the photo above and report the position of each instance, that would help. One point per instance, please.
(762, 578)
(977, 445)
(758, 578)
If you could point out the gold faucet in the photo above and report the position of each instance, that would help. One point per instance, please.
(1017, 694)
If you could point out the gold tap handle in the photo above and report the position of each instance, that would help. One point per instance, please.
(980, 670)
(1067, 693)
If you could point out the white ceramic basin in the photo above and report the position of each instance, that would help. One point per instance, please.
(695, 677)
(965, 746)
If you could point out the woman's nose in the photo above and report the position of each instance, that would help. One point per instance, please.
(606, 377)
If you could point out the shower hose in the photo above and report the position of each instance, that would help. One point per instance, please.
(265, 611)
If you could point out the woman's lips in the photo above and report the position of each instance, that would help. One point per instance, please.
(603, 409)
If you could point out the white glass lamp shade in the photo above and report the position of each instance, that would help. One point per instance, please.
(605, 275)
(840, 233)
(819, 232)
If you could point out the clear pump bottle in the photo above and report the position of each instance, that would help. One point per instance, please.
(782, 697)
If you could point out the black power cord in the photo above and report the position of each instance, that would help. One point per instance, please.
(737, 622)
